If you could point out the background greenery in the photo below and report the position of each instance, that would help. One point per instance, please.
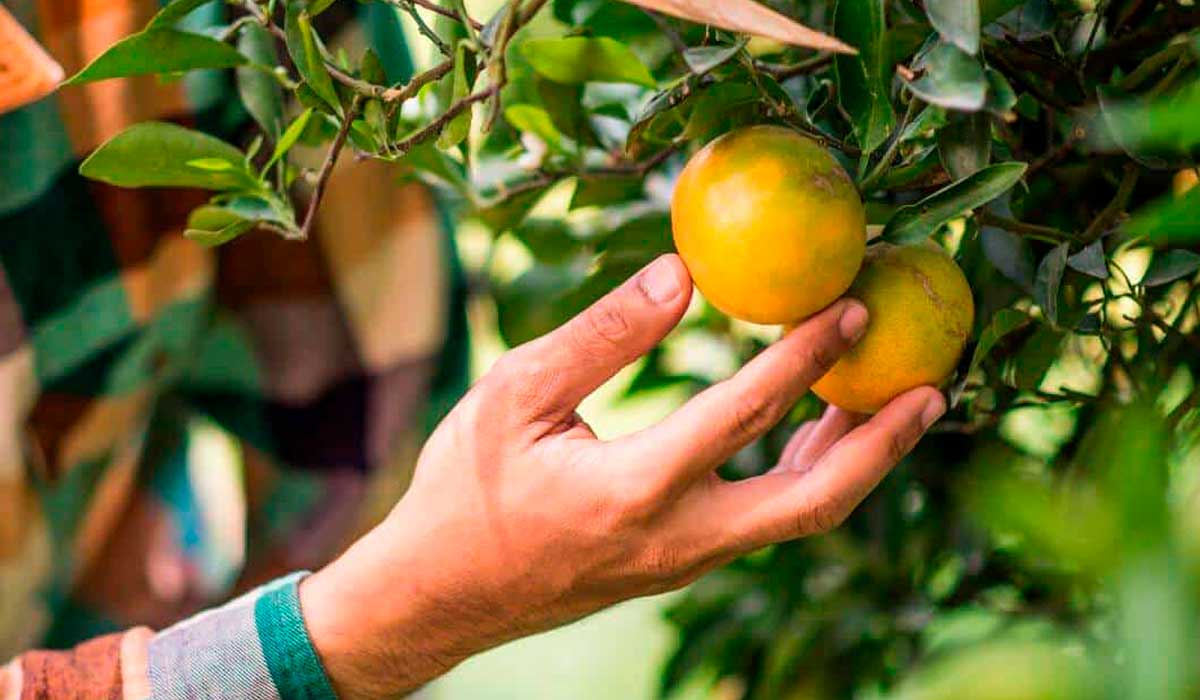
(1043, 543)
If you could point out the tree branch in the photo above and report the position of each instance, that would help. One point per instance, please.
(331, 157)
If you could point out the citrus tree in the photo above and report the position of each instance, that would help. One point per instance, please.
(1042, 543)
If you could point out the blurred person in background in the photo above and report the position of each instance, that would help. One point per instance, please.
(179, 425)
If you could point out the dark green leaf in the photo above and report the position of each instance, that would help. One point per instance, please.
(1169, 266)
(1170, 219)
(503, 215)
(951, 78)
(1090, 261)
(159, 51)
(1031, 364)
(992, 10)
(965, 144)
(915, 222)
(156, 154)
(549, 240)
(372, 69)
(536, 302)
(306, 51)
(564, 104)
(957, 21)
(1010, 254)
(606, 189)
(576, 59)
(433, 165)
(175, 11)
(1005, 321)
(260, 92)
(1048, 280)
(1001, 98)
(863, 79)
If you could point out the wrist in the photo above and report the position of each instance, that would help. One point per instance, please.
(375, 628)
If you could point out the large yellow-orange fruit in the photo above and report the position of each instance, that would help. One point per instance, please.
(769, 224)
(921, 314)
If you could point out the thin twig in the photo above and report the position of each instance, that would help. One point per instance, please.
(782, 72)
(331, 157)
(425, 29)
(1034, 231)
(884, 161)
(435, 127)
(1109, 213)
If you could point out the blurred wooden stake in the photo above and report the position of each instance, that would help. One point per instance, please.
(27, 72)
(749, 17)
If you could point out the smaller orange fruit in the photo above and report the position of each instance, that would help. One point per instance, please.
(769, 224)
(921, 313)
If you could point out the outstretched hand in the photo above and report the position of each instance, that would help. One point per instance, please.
(520, 519)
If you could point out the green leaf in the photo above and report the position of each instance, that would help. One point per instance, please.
(289, 138)
(159, 51)
(1170, 266)
(503, 215)
(1031, 364)
(536, 121)
(306, 53)
(260, 92)
(1005, 321)
(606, 189)
(1049, 279)
(433, 165)
(213, 225)
(1010, 254)
(702, 59)
(457, 130)
(992, 10)
(1001, 98)
(957, 21)
(1160, 133)
(1170, 219)
(564, 104)
(1090, 261)
(863, 80)
(213, 165)
(950, 78)
(174, 12)
(577, 59)
(915, 222)
(157, 154)
(965, 144)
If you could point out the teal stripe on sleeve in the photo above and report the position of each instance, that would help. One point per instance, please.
(286, 647)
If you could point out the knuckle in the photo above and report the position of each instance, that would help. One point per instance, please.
(604, 327)
(819, 358)
(662, 561)
(751, 416)
(822, 515)
(525, 380)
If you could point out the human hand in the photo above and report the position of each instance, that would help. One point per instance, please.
(519, 519)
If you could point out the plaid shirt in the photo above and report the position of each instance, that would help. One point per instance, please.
(180, 424)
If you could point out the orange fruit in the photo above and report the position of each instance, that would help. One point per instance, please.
(921, 313)
(769, 224)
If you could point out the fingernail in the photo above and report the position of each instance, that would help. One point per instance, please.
(659, 282)
(934, 408)
(853, 322)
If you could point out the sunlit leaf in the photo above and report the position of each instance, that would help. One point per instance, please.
(157, 154)
(159, 51)
(576, 59)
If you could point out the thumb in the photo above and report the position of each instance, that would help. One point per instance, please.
(574, 360)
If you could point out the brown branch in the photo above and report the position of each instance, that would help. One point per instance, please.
(436, 126)
(1035, 231)
(331, 157)
(443, 11)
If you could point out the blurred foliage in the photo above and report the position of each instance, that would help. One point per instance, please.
(1043, 544)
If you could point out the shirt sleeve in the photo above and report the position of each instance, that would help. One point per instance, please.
(255, 647)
